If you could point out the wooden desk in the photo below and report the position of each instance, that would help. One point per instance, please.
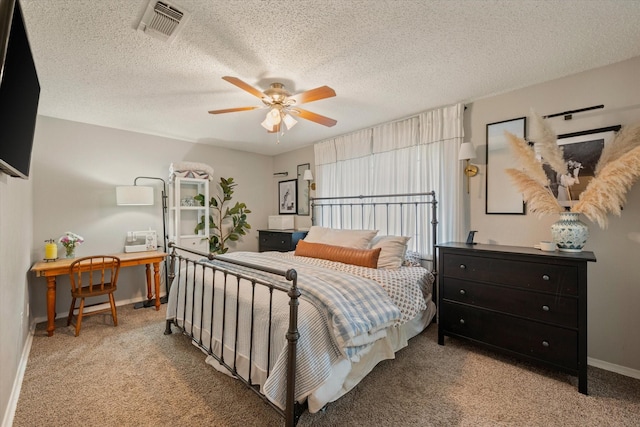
(52, 269)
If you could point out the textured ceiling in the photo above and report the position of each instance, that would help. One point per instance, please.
(385, 59)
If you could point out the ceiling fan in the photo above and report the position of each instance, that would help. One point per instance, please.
(282, 105)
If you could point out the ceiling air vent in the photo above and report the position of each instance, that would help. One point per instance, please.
(163, 20)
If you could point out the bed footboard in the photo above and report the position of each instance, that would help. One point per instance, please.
(240, 280)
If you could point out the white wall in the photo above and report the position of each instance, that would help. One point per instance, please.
(614, 280)
(16, 224)
(76, 168)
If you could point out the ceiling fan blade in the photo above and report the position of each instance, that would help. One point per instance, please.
(244, 86)
(311, 95)
(232, 110)
(308, 115)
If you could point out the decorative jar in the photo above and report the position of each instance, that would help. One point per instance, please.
(569, 233)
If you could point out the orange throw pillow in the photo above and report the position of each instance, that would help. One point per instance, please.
(361, 257)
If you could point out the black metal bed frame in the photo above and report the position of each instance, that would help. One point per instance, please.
(180, 266)
(293, 409)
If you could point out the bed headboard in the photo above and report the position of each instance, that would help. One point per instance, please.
(408, 214)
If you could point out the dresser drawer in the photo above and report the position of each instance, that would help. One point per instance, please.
(552, 278)
(280, 241)
(554, 345)
(275, 241)
(544, 307)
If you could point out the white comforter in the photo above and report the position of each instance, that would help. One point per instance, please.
(335, 331)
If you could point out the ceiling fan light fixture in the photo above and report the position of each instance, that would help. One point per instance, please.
(289, 121)
(282, 105)
(274, 115)
(265, 124)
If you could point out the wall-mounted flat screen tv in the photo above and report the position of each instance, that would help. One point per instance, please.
(19, 92)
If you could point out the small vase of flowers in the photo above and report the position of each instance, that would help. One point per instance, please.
(70, 240)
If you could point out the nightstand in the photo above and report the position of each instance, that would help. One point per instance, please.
(279, 240)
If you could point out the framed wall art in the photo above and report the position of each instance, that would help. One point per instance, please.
(288, 197)
(582, 151)
(502, 197)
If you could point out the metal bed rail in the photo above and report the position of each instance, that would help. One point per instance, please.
(183, 269)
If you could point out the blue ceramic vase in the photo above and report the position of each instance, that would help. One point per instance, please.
(569, 233)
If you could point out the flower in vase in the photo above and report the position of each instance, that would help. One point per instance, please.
(70, 240)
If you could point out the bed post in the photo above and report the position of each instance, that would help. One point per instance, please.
(171, 276)
(434, 231)
(291, 414)
(312, 210)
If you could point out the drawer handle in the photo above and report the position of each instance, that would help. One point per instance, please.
(463, 292)
(545, 277)
(545, 343)
(545, 308)
(462, 266)
(462, 321)
(282, 241)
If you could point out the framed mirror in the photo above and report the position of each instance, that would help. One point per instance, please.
(303, 190)
(502, 196)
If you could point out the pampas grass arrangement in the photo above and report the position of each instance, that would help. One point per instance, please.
(617, 170)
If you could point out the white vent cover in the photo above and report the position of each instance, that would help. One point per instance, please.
(163, 20)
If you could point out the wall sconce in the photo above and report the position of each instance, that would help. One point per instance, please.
(467, 152)
(308, 176)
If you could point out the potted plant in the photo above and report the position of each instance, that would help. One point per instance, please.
(225, 223)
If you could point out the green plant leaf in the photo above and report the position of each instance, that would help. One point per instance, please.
(236, 214)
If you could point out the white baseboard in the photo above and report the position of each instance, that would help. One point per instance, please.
(7, 420)
(618, 369)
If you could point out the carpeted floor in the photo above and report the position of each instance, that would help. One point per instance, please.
(133, 375)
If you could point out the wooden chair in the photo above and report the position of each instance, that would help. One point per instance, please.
(91, 277)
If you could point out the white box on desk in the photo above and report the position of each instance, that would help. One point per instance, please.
(280, 222)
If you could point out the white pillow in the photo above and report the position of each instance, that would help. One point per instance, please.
(358, 239)
(316, 234)
(393, 250)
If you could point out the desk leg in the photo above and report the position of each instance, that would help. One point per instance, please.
(148, 271)
(51, 304)
(156, 279)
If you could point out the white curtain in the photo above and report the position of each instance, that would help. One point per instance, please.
(418, 154)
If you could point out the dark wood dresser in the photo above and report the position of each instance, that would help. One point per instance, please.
(521, 301)
(279, 240)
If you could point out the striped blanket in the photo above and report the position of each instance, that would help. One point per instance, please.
(356, 307)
